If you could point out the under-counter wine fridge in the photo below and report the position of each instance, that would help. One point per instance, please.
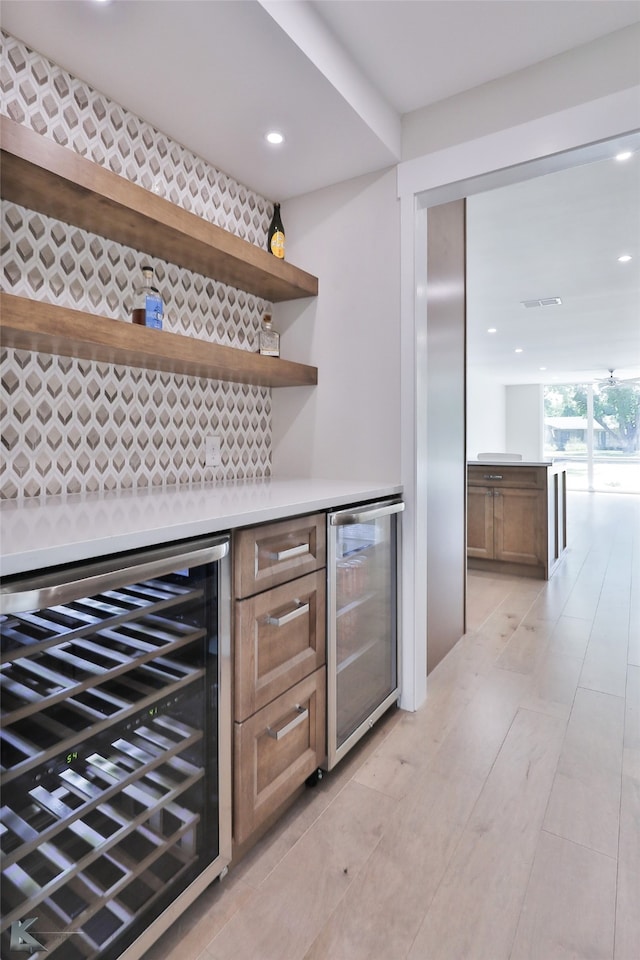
(116, 749)
(363, 570)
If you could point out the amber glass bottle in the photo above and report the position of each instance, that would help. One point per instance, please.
(275, 240)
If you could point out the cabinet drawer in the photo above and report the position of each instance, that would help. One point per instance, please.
(267, 555)
(279, 639)
(496, 475)
(276, 750)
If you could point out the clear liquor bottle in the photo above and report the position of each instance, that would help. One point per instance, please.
(147, 302)
(269, 339)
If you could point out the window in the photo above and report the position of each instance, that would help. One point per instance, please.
(594, 429)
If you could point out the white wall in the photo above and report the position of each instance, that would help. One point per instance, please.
(586, 73)
(524, 423)
(349, 425)
(485, 414)
(503, 419)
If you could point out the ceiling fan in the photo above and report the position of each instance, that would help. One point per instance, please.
(612, 381)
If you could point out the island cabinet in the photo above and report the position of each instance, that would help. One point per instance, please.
(279, 666)
(516, 518)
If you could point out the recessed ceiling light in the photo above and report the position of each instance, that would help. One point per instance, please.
(518, 349)
(625, 155)
(274, 137)
(492, 330)
(624, 258)
(542, 368)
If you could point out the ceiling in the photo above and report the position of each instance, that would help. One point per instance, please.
(558, 235)
(336, 77)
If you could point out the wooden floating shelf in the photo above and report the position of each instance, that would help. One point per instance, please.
(41, 175)
(43, 327)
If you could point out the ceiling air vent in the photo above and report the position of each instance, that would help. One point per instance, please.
(543, 302)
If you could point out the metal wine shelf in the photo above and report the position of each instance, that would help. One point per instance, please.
(129, 843)
(77, 790)
(75, 684)
(98, 768)
(34, 632)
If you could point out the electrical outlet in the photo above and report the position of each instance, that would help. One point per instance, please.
(212, 454)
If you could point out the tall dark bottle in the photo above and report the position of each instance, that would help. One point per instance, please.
(275, 240)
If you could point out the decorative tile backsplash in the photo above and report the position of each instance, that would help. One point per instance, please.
(73, 425)
(41, 95)
(70, 425)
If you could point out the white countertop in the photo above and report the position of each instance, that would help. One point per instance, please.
(35, 534)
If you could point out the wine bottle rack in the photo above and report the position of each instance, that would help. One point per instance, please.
(34, 632)
(103, 760)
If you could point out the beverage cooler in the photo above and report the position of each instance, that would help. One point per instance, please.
(363, 557)
(116, 748)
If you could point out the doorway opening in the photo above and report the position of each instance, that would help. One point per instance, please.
(510, 156)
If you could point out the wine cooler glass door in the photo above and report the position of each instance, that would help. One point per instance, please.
(115, 747)
(363, 621)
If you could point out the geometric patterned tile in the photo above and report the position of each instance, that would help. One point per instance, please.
(69, 425)
(52, 445)
(63, 108)
(87, 272)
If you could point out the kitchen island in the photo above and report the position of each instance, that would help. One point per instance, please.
(516, 517)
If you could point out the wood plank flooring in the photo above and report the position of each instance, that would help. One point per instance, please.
(501, 821)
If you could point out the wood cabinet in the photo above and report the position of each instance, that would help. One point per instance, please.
(275, 750)
(273, 553)
(516, 519)
(480, 522)
(506, 525)
(54, 180)
(279, 665)
(281, 638)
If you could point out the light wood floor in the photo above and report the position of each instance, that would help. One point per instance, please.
(499, 822)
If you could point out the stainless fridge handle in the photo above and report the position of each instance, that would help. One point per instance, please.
(26, 595)
(345, 518)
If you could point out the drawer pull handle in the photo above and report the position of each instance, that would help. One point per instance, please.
(291, 552)
(492, 476)
(298, 611)
(302, 715)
